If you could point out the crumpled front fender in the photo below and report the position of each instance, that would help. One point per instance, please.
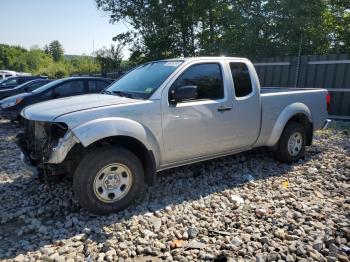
(98, 129)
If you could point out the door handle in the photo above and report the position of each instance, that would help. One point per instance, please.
(224, 108)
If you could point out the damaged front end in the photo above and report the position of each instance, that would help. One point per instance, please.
(48, 146)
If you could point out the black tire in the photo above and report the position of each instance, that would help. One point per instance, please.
(282, 153)
(90, 166)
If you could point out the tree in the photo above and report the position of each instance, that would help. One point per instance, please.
(37, 61)
(85, 64)
(337, 19)
(160, 29)
(251, 28)
(55, 49)
(109, 59)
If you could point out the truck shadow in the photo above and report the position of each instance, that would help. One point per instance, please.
(34, 215)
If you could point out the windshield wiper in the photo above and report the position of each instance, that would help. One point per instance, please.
(106, 92)
(123, 94)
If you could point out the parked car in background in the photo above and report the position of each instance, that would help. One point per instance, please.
(6, 74)
(26, 87)
(9, 73)
(12, 82)
(161, 115)
(11, 107)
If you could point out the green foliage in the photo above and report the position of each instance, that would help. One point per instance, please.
(38, 61)
(337, 20)
(109, 59)
(55, 49)
(85, 64)
(251, 28)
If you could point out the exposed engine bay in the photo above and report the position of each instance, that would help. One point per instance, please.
(46, 146)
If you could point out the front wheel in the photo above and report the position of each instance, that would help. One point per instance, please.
(108, 180)
(291, 146)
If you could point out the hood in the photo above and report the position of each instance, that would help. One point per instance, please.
(49, 110)
(22, 95)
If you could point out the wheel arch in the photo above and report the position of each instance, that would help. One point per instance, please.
(123, 132)
(297, 112)
(135, 146)
(304, 121)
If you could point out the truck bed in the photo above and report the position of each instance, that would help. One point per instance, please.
(275, 100)
(270, 90)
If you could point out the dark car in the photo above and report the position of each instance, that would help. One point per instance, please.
(26, 87)
(11, 107)
(12, 82)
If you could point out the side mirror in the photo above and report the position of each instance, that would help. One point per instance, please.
(183, 93)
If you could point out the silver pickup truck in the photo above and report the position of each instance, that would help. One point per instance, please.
(161, 115)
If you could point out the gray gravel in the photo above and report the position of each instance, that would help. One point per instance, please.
(246, 207)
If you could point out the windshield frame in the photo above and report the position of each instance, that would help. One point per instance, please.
(144, 95)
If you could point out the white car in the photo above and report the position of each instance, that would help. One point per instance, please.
(8, 73)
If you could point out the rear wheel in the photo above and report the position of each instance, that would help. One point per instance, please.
(108, 180)
(291, 146)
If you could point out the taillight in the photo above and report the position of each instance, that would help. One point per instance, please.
(328, 99)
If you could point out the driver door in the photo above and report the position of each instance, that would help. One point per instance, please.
(199, 127)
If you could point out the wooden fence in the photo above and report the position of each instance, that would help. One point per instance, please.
(331, 72)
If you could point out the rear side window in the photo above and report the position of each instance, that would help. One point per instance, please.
(23, 80)
(96, 86)
(207, 78)
(241, 79)
(70, 88)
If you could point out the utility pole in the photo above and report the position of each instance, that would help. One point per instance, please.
(298, 64)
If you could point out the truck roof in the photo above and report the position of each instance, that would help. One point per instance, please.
(204, 58)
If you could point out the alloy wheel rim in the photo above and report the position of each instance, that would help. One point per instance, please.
(112, 182)
(295, 143)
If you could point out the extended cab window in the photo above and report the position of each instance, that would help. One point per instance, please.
(207, 78)
(241, 79)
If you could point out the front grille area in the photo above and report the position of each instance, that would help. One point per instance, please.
(39, 138)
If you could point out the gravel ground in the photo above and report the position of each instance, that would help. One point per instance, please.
(246, 207)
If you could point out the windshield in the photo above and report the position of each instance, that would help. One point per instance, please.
(48, 86)
(144, 80)
(24, 84)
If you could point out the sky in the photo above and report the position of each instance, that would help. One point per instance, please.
(77, 24)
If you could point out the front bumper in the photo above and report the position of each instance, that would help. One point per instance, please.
(326, 124)
(61, 150)
(43, 153)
